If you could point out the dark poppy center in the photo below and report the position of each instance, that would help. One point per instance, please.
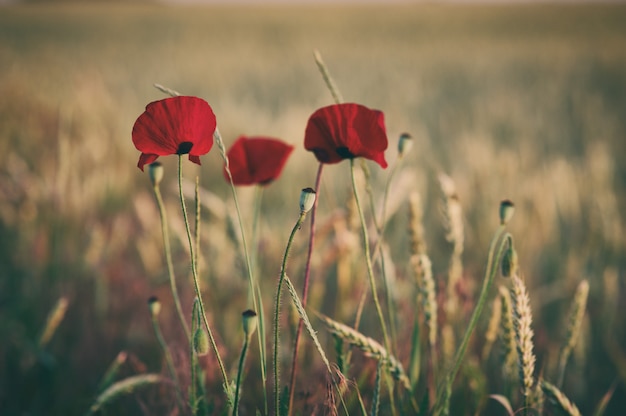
(345, 153)
(184, 148)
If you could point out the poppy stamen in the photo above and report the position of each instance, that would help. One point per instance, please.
(345, 153)
(184, 148)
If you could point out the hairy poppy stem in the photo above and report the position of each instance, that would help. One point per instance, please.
(305, 290)
(168, 260)
(194, 272)
(283, 273)
(368, 257)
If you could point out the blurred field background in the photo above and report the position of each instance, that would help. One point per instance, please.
(525, 102)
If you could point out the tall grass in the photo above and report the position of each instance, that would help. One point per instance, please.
(520, 102)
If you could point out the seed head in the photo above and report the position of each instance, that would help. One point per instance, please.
(155, 171)
(405, 143)
(155, 306)
(249, 318)
(507, 209)
(307, 199)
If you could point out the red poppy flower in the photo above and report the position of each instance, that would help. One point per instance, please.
(257, 160)
(346, 131)
(174, 126)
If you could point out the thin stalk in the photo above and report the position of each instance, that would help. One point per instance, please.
(198, 219)
(376, 396)
(168, 360)
(381, 225)
(257, 303)
(442, 403)
(305, 290)
(194, 272)
(168, 259)
(368, 259)
(242, 360)
(193, 361)
(283, 273)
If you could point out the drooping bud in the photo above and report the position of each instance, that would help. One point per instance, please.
(307, 199)
(249, 319)
(155, 171)
(155, 306)
(507, 209)
(510, 262)
(405, 143)
(201, 341)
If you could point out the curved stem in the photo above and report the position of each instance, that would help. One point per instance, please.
(168, 259)
(443, 392)
(194, 273)
(368, 258)
(242, 360)
(305, 290)
(283, 273)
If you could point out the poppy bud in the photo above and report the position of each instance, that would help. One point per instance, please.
(154, 305)
(249, 322)
(507, 209)
(155, 171)
(509, 262)
(307, 199)
(405, 143)
(201, 342)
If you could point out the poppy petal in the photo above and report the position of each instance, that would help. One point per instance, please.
(345, 131)
(146, 159)
(168, 123)
(257, 160)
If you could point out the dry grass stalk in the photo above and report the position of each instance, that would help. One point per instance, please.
(422, 267)
(522, 321)
(507, 333)
(455, 234)
(557, 397)
(492, 328)
(576, 316)
(370, 347)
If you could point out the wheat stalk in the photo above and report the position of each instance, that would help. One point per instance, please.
(556, 396)
(576, 315)
(507, 333)
(369, 346)
(522, 321)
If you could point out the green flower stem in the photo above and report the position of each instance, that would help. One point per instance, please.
(193, 360)
(283, 273)
(381, 226)
(368, 258)
(442, 403)
(305, 289)
(257, 302)
(194, 272)
(242, 360)
(169, 361)
(168, 259)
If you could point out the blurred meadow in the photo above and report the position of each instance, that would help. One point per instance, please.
(525, 102)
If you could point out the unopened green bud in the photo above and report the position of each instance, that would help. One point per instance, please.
(201, 342)
(509, 262)
(507, 209)
(154, 305)
(307, 199)
(155, 171)
(249, 322)
(405, 143)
